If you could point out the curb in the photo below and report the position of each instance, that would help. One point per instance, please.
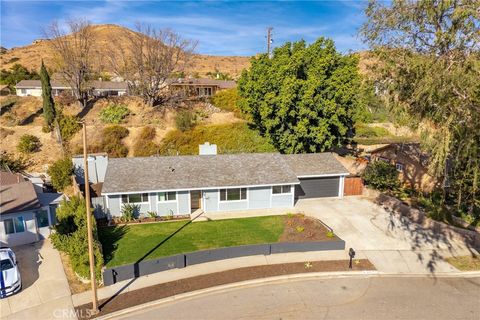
(285, 278)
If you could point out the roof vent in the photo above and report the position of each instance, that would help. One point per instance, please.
(207, 149)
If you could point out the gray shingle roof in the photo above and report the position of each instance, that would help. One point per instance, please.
(17, 195)
(311, 164)
(185, 172)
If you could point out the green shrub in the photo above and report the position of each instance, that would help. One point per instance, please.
(330, 234)
(152, 214)
(71, 236)
(130, 212)
(114, 113)
(69, 125)
(60, 173)
(299, 229)
(364, 131)
(112, 141)
(382, 176)
(28, 144)
(185, 120)
(226, 100)
(229, 138)
(144, 145)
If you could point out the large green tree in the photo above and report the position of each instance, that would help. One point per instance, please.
(303, 98)
(428, 70)
(48, 104)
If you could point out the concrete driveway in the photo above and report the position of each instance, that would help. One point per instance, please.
(45, 292)
(393, 244)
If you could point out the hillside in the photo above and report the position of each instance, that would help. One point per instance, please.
(31, 55)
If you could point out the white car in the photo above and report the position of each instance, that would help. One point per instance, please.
(10, 280)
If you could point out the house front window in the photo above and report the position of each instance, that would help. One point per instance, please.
(281, 189)
(135, 198)
(167, 196)
(399, 167)
(14, 225)
(235, 194)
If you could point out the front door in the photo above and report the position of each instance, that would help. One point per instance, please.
(195, 200)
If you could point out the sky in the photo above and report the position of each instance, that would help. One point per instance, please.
(220, 27)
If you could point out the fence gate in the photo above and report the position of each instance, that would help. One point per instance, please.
(353, 186)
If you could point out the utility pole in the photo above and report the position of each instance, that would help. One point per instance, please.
(269, 41)
(91, 256)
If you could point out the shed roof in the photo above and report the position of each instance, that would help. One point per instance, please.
(196, 172)
(315, 164)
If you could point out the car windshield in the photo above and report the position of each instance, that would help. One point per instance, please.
(6, 264)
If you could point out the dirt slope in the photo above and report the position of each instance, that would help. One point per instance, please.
(31, 55)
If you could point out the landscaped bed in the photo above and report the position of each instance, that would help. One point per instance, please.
(159, 291)
(129, 243)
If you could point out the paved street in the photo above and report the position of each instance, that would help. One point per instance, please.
(342, 298)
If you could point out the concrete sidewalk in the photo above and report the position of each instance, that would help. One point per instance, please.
(386, 262)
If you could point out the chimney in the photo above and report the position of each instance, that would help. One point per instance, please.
(207, 149)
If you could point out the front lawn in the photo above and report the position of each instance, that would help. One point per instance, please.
(131, 243)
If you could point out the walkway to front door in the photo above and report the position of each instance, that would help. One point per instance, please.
(195, 200)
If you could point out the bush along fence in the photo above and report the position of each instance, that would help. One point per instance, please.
(146, 267)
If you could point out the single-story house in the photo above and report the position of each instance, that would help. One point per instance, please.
(411, 163)
(181, 185)
(26, 215)
(200, 87)
(98, 88)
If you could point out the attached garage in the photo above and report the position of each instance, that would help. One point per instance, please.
(317, 187)
(321, 175)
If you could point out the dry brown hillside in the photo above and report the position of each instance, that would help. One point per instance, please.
(31, 55)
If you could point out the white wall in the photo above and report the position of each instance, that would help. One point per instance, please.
(16, 239)
(29, 92)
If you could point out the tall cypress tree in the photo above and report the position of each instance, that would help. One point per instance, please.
(48, 105)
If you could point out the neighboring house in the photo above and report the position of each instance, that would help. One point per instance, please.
(200, 87)
(97, 166)
(97, 88)
(411, 163)
(181, 185)
(26, 215)
(4, 90)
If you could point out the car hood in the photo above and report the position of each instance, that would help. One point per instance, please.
(10, 276)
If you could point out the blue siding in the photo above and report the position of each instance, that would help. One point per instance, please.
(233, 205)
(259, 198)
(167, 208)
(282, 201)
(210, 200)
(183, 198)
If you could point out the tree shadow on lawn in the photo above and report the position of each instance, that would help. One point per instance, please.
(426, 238)
(136, 265)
